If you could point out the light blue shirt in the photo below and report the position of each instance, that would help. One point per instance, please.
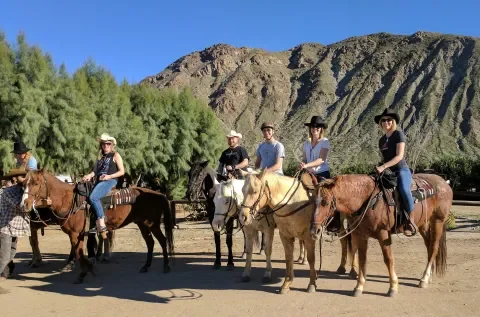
(31, 164)
(269, 152)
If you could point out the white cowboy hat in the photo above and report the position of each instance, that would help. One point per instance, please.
(234, 133)
(105, 138)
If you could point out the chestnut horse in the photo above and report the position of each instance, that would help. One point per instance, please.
(293, 209)
(146, 212)
(368, 214)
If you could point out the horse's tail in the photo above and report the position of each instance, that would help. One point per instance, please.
(441, 258)
(168, 223)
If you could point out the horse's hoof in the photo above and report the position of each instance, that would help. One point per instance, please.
(230, 267)
(341, 270)
(144, 269)
(357, 292)
(68, 268)
(266, 279)
(311, 288)
(423, 284)
(216, 266)
(284, 290)
(166, 269)
(353, 274)
(245, 278)
(392, 292)
(34, 265)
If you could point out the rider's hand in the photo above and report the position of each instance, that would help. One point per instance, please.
(105, 177)
(380, 169)
(302, 165)
(229, 168)
(87, 177)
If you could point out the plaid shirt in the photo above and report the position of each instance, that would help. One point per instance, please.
(13, 221)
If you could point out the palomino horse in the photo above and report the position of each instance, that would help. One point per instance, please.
(369, 215)
(228, 199)
(201, 185)
(293, 211)
(146, 211)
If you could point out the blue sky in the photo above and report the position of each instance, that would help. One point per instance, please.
(135, 39)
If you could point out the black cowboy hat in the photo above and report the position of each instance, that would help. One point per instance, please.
(19, 148)
(387, 113)
(266, 125)
(317, 121)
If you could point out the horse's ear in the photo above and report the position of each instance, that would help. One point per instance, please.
(329, 183)
(189, 163)
(262, 174)
(204, 164)
(243, 173)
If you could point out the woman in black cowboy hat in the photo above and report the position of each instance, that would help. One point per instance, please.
(315, 157)
(392, 147)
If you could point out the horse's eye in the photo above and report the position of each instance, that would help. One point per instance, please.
(324, 203)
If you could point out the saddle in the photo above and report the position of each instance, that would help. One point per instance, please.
(115, 197)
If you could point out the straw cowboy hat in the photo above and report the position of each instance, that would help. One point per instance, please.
(234, 134)
(317, 121)
(15, 172)
(387, 113)
(106, 138)
(19, 148)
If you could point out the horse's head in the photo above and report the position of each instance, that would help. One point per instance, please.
(35, 186)
(196, 178)
(227, 200)
(324, 207)
(254, 196)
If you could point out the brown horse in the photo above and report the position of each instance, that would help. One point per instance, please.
(146, 212)
(369, 215)
(292, 208)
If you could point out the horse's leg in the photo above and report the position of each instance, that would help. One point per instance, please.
(362, 244)
(229, 229)
(70, 261)
(269, 233)
(262, 245)
(218, 263)
(352, 254)
(77, 245)
(310, 250)
(147, 236)
(385, 240)
(99, 253)
(343, 260)
(157, 232)
(437, 252)
(250, 233)
(36, 254)
(288, 244)
(301, 256)
(425, 233)
(106, 245)
(244, 254)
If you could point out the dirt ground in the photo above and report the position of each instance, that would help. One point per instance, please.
(193, 288)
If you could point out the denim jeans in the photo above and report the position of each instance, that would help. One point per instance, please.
(325, 174)
(99, 191)
(404, 180)
(8, 249)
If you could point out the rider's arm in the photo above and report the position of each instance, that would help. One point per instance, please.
(242, 164)
(320, 160)
(276, 166)
(258, 161)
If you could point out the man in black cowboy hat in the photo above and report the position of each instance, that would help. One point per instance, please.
(23, 156)
(270, 153)
(13, 221)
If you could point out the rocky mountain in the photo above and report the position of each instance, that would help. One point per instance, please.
(431, 80)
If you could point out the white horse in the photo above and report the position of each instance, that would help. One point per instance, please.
(228, 199)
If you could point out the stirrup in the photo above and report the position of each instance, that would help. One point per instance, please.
(410, 227)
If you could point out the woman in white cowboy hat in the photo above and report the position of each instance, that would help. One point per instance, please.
(107, 170)
(234, 158)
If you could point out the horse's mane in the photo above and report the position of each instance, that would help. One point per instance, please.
(211, 172)
(348, 184)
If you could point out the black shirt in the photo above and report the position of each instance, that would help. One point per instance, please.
(233, 156)
(388, 147)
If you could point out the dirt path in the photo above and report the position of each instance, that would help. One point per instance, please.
(194, 289)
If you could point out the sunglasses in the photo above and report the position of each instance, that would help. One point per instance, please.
(109, 144)
(387, 120)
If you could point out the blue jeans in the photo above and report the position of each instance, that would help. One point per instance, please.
(99, 191)
(404, 180)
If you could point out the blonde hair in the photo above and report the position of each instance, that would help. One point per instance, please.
(28, 155)
(322, 134)
(394, 124)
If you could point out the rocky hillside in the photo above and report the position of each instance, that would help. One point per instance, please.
(432, 80)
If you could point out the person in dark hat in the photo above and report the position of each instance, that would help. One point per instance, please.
(270, 153)
(392, 147)
(24, 156)
(315, 158)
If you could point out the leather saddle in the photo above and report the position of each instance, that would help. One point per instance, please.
(115, 197)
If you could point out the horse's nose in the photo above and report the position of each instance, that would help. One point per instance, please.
(315, 232)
